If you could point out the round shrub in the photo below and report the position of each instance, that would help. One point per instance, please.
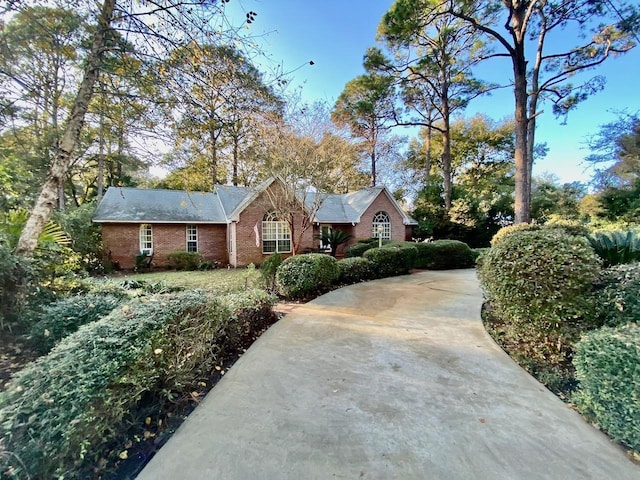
(444, 255)
(607, 363)
(301, 275)
(618, 295)
(539, 276)
(354, 270)
(504, 232)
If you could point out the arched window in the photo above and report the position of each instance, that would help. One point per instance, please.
(276, 235)
(381, 226)
(146, 239)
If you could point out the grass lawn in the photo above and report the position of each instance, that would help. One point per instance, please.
(216, 281)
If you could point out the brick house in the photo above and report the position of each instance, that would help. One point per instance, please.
(237, 225)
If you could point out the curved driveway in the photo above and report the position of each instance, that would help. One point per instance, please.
(392, 379)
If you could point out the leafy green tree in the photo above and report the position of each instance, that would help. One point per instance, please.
(549, 199)
(482, 196)
(152, 30)
(432, 65)
(366, 106)
(215, 91)
(40, 53)
(543, 76)
(615, 152)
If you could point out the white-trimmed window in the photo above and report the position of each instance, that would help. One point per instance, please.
(192, 238)
(325, 231)
(381, 226)
(146, 239)
(276, 235)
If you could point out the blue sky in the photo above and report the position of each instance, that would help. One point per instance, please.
(335, 34)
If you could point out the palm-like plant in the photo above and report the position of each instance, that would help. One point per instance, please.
(617, 246)
(12, 223)
(334, 238)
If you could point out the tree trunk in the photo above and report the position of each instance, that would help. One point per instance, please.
(48, 195)
(235, 161)
(523, 182)
(427, 162)
(214, 159)
(373, 166)
(446, 148)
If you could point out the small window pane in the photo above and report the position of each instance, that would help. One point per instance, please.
(192, 238)
(146, 239)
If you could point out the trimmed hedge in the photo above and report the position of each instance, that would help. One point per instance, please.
(539, 275)
(67, 410)
(444, 255)
(354, 270)
(391, 260)
(607, 363)
(568, 227)
(300, 275)
(67, 315)
(618, 295)
(357, 249)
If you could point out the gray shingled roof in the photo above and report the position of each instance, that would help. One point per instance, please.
(122, 204)
(348, 208)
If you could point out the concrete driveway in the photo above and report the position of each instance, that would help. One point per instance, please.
(392, 379)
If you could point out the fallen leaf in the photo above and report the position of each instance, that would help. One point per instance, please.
(482, 420)
(124, 455)
(147, 421)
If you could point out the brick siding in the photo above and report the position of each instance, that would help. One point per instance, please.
(122, 242)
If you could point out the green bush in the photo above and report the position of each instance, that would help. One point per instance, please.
(301, 275)
(617, 295)
(538, 282)
(354, 270)
(64, 413)
(616, 246)
(407, 251)
(67, 315)
(185, 260)
(391, 260)
(568, 227)
(269, 268)
(607, 363)
(14, 272)
(444, 255)
(539, 276)
(357, 249)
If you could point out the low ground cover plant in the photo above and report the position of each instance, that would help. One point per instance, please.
(67, 413)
